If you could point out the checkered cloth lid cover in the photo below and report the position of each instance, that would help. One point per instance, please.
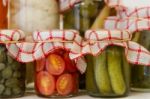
(67, 4)
(131, 8)
(98, 40)
(44, 43)
(132, 24)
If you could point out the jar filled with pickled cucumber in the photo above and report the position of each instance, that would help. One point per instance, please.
(12, 72)
(108, 71)
(3, 14)
(86, 14)
(141, 73)
(31, 15)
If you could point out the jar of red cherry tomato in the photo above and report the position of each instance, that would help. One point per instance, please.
(56, 75)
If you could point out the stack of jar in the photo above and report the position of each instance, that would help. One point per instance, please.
(135, 18)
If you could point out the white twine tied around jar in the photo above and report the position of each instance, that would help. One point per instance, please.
(135, 53)
(43, 43)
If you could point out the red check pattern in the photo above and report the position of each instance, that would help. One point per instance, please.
(67, 4)
(132, 24)
(98, 40)
(44, 43)
(131, 8)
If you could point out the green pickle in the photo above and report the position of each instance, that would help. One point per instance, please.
(141, 74)
(108, 73)
(90, 84)
(12, 76)
(101, 74)
(115, 70)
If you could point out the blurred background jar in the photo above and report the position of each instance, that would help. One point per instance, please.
(31, 15)
(12, 76)
(108, 74)
(84, 15)
(56, 75)
(3, 14)
(141, 74)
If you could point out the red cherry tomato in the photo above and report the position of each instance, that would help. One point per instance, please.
(75, 82)
(40, 64)
(55, 64)
(64, 84)
(45, 83)
(70, 65)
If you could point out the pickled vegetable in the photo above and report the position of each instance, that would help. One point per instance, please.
(12, 76)
(108, 74)
(90, 82)
(115, 71)
(101, 74)
(56, 75)
(141, 74)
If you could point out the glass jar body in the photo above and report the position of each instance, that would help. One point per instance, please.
(12, 76)
(3, 15)
(140, 73)
(32, 15)
(82, 16)
(108, 74)
(56, 75)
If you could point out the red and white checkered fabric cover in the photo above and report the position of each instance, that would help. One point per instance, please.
(135, 53)
(11, 35)
(131, 8)
(132, 24)
(44, 43)
(67, 4)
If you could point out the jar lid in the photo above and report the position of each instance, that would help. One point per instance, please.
(44, 43)
(132, 24)
(10, 36)
(128, 8)
(98, 40)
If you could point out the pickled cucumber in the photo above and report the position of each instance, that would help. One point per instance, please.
(17, 74)
(145, 39)
(15, 66)
(7, 72)
(115, 71)
(101, 74)
(90, 81)
(126, 70)
(9, 59)
(136, 37)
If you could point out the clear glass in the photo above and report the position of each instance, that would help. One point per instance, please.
(3, 15)
(12, 76)
(140, 73)
(84, 16)
(32, 15)
(108, 74)
(56, 75)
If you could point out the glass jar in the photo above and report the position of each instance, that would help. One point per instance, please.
(3, 15)
(141, 74)
(12, 76)
(56, 75)
(85, 15)
(108, 74)
(32, 15)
